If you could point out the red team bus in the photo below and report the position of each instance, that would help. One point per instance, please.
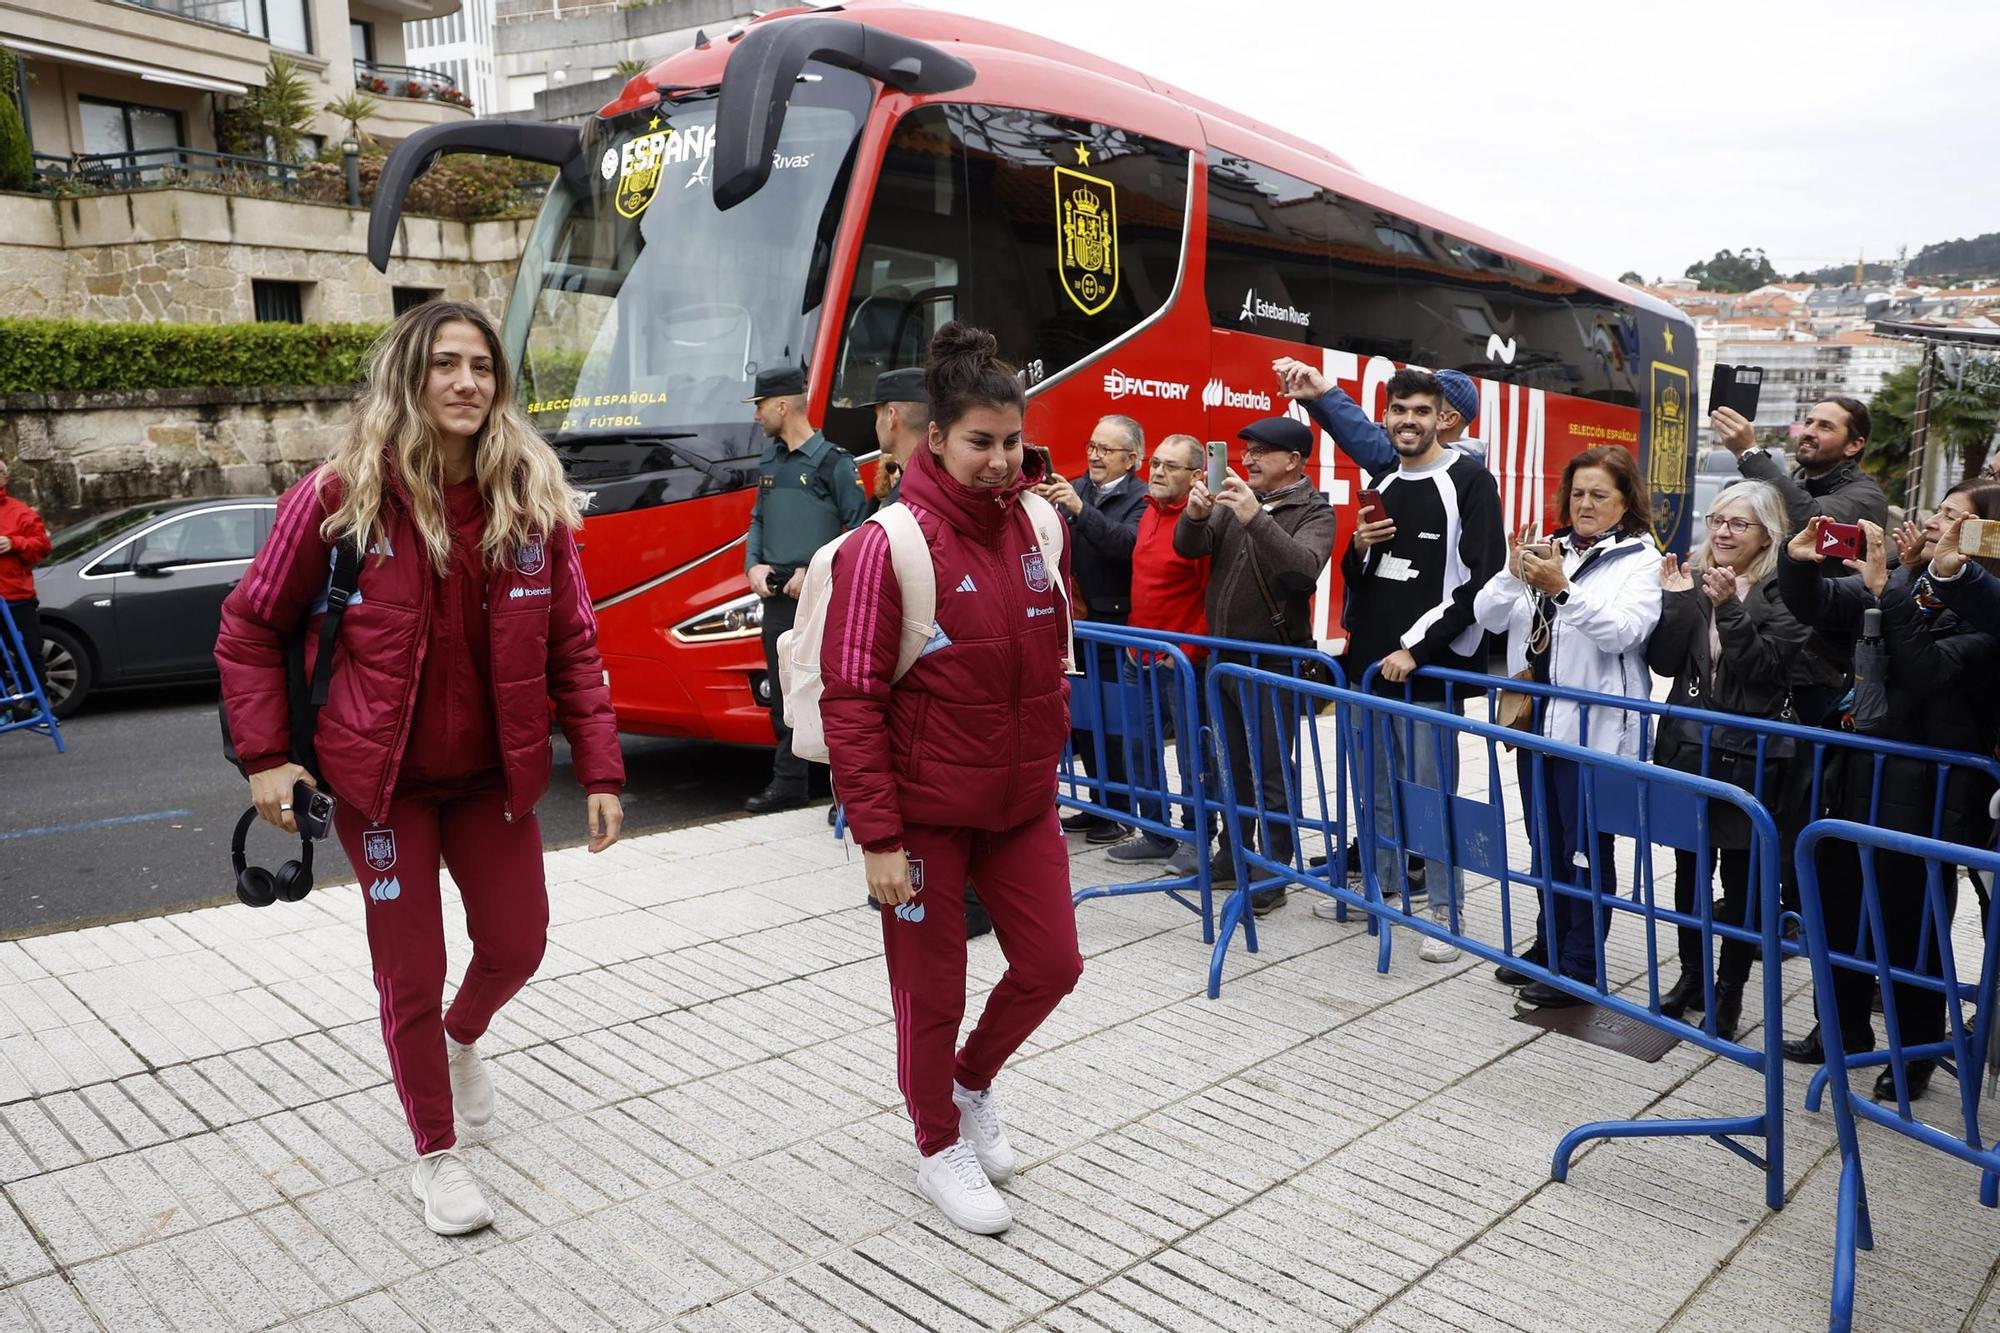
(828, 188)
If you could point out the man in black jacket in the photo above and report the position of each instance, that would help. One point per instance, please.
(1103, 508)
(1411, 574)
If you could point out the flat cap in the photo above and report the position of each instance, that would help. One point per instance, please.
(1279, 433)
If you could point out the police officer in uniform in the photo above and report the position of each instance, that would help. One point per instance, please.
(808, 493)
(902, 421)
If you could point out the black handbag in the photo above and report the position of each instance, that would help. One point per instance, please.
(1317, 668)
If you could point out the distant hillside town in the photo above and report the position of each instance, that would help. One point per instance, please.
(1813, 340)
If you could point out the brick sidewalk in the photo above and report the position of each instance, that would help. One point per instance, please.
(698, 1130)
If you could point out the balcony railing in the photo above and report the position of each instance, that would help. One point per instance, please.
(242, 15)
(227, 172)
(411, 81)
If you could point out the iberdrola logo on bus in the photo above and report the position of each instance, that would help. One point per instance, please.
(1087, 235)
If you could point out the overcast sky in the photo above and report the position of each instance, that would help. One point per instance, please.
(1616, 136)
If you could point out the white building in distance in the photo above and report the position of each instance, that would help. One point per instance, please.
(460, 45)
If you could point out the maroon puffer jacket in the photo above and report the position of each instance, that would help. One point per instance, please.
(543, 646)
(970, 738)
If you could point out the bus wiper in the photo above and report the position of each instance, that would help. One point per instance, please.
(664, 439)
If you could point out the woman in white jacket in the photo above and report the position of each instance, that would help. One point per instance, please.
(1578, 609)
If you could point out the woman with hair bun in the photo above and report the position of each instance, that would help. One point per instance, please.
(950, 771)
(469, 619)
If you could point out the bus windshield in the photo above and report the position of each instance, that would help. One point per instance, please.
(642, 313)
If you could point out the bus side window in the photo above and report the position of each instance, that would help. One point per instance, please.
(1057, 234)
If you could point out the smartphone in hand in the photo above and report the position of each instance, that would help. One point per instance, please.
(312, 809)
(1840, 541)
(1980, 537)
(1218, 465)
(1038, 463)
(1371, 499)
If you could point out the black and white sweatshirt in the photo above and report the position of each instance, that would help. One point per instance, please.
(1416, 590)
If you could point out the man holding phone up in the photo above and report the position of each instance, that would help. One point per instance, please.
(1270, 537)
(1430, 534)
(1102, 508)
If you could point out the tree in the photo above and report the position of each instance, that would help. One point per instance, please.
(280, 113)
(1730, 271)
(627, 68)
(354, 108)
(1631, 277)
(1964, 412)
(17, 159)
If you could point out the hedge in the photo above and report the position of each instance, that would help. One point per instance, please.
(57, 355)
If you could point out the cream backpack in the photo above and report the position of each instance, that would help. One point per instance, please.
(910, 556)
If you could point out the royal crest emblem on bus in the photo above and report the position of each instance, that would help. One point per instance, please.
(1667, 451)
(640, 159)
(1036, 571)
(1087, 237)
(378, 846)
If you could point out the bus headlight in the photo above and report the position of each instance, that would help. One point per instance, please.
(740, 619)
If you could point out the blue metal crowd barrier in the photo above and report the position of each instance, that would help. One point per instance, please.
(1963, 1053)
(1457, 832)
(1138, 697)
(19, 685)
(1821, 743)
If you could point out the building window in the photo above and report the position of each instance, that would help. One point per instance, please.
(125, 127)
(409, 298)
(290, 27)
(362, 37)
(278, 302)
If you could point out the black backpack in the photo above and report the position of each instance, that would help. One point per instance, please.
(305, 698)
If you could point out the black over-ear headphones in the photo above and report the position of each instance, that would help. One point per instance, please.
(258, 887)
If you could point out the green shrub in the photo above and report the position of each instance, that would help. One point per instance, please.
(54, 355)
(17, 159)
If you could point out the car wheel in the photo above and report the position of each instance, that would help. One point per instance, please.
(65, 670)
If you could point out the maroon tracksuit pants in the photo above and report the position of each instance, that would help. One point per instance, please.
(1023, 879)
(497, 865)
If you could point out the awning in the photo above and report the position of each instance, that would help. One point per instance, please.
(150, 73)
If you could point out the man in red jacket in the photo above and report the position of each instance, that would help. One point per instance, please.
(24, 543)
(1168, 592)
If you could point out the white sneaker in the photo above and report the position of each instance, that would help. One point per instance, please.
(453, 1204)
(957, 1184)
(471, 1087)
(1326, 908)
(1435, 950)
(979, 1124)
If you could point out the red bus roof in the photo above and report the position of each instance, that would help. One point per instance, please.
(1023, 69)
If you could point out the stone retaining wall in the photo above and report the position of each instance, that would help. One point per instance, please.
(189, 256)
(78, 454)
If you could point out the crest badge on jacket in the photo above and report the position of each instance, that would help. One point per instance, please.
(1036, 571)
(531, 557)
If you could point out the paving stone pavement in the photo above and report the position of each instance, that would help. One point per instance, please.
(698, 1130)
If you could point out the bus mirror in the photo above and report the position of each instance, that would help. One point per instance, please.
(527, 140)
(757, 85)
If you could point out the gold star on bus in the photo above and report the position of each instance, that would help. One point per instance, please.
(654, 124)
(1669, 332)
(1082, 156)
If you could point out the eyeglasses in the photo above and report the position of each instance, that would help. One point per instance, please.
(1165, 465)
(1738, 526)
(1096, 450)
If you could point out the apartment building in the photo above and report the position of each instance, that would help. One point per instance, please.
(133, 76)
(459, 45)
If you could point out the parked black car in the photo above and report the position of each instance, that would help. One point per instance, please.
(134, 597)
